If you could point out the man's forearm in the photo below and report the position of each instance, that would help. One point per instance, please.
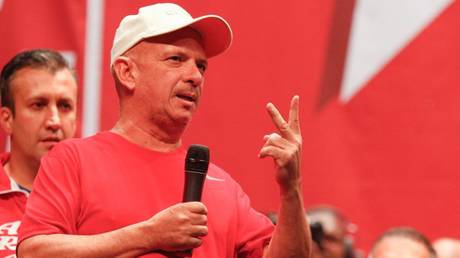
(292, 233)
(172, 230)
(123, 242)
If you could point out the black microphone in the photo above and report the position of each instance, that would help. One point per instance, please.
(196, 167)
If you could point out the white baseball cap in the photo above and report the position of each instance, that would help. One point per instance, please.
(158, 19)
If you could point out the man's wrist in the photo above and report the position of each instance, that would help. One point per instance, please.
(291, 192)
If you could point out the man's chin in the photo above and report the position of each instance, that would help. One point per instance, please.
(182, 117)
(48, 145)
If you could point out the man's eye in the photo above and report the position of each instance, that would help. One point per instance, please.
(65, 106)
(38, 105)
(202, 67)
(175, 58)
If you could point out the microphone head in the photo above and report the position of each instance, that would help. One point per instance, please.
(197, 158)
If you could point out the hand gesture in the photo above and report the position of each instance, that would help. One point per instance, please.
(285, 147)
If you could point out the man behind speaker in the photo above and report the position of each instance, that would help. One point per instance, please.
(39, 98)
(404, 242)
(335, 230)
(116, 194)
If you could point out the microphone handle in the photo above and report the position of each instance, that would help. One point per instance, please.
(193, 186)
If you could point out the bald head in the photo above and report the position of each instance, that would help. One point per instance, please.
(398, 247)
(447, 248)
(402, 242)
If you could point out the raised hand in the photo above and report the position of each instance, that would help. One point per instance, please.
(285, 147)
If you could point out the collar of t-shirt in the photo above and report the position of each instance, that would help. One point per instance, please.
(18, 188)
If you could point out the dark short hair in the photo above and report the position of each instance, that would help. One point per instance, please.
(46, 59)
(408, 233)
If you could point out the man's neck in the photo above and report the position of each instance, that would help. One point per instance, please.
(152, 138)
(21, 170)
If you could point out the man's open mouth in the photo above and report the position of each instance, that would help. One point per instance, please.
(187, 97)
(51, 139)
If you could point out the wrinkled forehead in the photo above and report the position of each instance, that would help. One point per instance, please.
(174, 38)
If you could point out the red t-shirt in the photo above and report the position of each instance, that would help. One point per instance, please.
(12, 206)
(98, 184)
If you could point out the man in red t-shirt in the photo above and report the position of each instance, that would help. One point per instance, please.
(38, 94)
(118, 194)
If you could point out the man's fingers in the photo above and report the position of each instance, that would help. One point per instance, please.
(199, 219)
(280, 123)
(194, 242)
(272, 151)
(200, 231)
(294, 123)
(275, 139)
(196, 207)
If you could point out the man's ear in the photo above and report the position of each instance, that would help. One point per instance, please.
(6, 120)
(125, 71)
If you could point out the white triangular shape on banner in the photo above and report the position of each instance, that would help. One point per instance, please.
(1, 4)
(380, 29)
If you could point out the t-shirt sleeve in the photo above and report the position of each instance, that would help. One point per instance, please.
(254, 229)
(52, 207)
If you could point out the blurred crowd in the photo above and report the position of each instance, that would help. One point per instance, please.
(334, 236)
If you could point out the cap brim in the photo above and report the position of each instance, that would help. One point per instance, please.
(216, 33)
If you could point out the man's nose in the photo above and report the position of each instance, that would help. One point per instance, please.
(53, 121)
(194, 75)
